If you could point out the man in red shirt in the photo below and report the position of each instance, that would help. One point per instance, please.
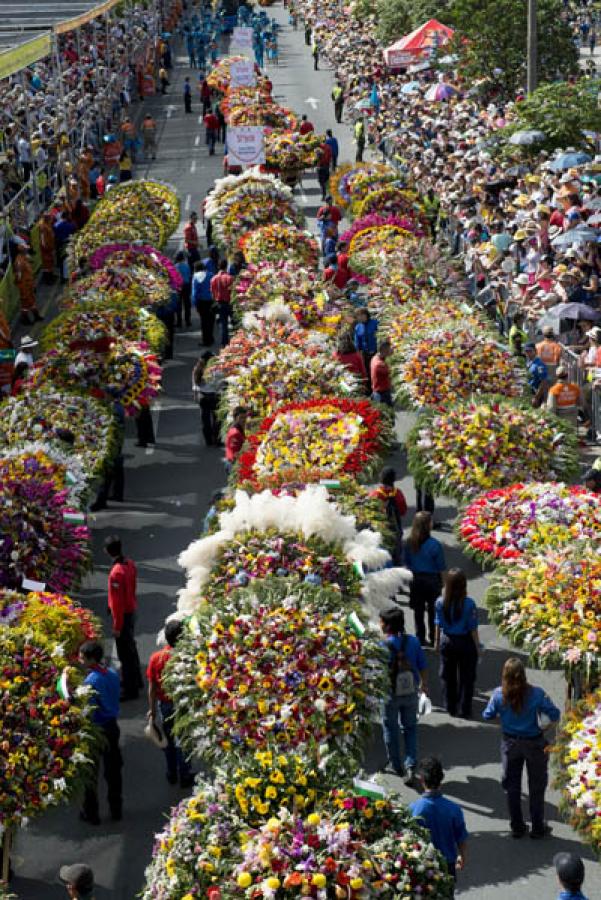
(221, 292)
(324, 161)
(380, 374)
(395, 505)
(235, 437)
(191, 242)
(305, 125)
(122, 606)
(158, 699)
(211, 123)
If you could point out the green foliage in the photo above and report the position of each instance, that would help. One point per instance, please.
(394, 19)
(562, 111)
(485, 47)
(363, 9)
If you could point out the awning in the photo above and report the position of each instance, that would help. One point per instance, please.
(420, 42)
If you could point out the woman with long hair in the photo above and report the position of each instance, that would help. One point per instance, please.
(524, 710)
(424, 556)
(456, 622)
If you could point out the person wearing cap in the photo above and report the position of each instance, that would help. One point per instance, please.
(517, 336)
(565, 397)
(570, 874)
(158, 699)
(79, 881)
(538, 378)
(549, 351)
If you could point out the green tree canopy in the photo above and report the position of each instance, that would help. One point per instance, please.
(394, 19)
(562, 111)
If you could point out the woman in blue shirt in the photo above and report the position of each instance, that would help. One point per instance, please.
(519, 705)
(183, 267)
(365, 337)
(407, 665)
(424, 556)
(456, 637)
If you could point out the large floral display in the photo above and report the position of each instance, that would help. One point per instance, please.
(279, 241)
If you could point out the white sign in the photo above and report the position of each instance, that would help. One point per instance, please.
(245, 145)
(242, 38)
(242, 72)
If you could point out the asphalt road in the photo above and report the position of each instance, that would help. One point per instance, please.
(167, 492)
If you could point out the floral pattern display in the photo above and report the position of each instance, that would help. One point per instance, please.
(277, 242)
(49, 619)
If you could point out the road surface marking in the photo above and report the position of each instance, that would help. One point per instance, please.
(312, 101)
(188, 201)
(193, 167)
(197, 140)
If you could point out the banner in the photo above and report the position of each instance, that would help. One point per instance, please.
(24, 55)
(84, 18)
(242, 39)
(242, 72)
(245, 145)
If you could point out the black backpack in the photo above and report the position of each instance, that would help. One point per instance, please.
(401, 673)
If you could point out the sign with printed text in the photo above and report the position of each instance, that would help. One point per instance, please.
(246, 145)
(242, 38)
(242, 72)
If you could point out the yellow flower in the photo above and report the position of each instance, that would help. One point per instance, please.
(319, 880)
(356, 883)
(271, 792)
(277, 777)
(273, 883)
(313, 819)
(244, 879)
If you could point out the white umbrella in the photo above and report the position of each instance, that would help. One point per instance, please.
(527, 137)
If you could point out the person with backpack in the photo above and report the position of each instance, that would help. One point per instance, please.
(394, 502)
(407, 667)
(424, 556)
(456, 638)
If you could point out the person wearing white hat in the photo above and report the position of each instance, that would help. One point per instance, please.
(24, 354)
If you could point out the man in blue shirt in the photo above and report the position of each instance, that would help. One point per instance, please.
(106, 686)
(333, 145)
(407, 666)
(538, 376)
(570, 874)
(442, 817)
(203, 301)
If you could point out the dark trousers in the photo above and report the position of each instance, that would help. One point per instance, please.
(185, 303)
(514, 753)
(206, 105)
(145, 427)
(208, 417)
(338, 106)
(112, 763)
(188, 103)
(360, 149)
(127, 652)
(177, 764)
(224, 312)
(207, 321)
(323, 176)
(114, 478)
(423, 500)
(424, 592)
(211, 140)
(458, 663)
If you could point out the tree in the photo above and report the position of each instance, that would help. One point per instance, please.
(393, 19)
(490, 38)
(562, 111)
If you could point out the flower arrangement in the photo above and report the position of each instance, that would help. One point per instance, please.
(122, 255)
(266, 781)
(369, 247)
(240, 214)
(251, 181)
(255, 675)
(260, 337)
(390, 200)
(47, 741)
(276, 373)
(36, 415)
(506, 523)
(451, 364)
(550, 603)
(43, 537)
(96, 328)
(292, 151)
(220, 76)
(135, 285)
(374, 220)
(277, 530)
(577, 755)
(274, 242)
(288, 282)
(349, 845)
(50, 619)
(316, 439)
(413, 319)
(243, 107)
(352, 180)
(49, 461)
(477, 446)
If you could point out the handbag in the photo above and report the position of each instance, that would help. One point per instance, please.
(155, 734)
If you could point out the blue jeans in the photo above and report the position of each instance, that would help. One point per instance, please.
(403, 710)
(224, 313)
(382, 397)
(176, 761)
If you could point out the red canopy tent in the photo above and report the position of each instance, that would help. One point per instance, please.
(419, 44)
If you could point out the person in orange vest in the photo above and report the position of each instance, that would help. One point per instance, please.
(149, 129)
(565, 397)
(549, 351)
(23, 274)
(128, 133)
(112, 151)
(122, 604)
(47, 248)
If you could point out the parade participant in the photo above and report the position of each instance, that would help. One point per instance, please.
(79, 881)
(306, 126)
(359, 133)
(570, 874)
(324, 161)
(205, 96)
(395, 505)
(365, 337)
(211, 123)
(456, 638)
(442, 817)
(380, 374)
(517, 336)
(315, 54)
(424, 557)
(128, 132)
(338, 100)
(47, 248)
(187, 95)
(185, 294)
(191, 241)
(332, 143)
(23, 275)
(206, 393)
(407, 666)
(538, 380)
(349, 356)
(235, 437)
(520, 706)
(565, 397)
(203, 302)
(122, 604)
(105, 703)
(149, 137)
(163, 79)
(221, 292)
(158, 700)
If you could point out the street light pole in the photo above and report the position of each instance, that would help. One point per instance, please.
(531, 80)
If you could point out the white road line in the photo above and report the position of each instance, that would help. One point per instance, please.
(197, 140)
(193, 167)
(200, 120)
(188, 201)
